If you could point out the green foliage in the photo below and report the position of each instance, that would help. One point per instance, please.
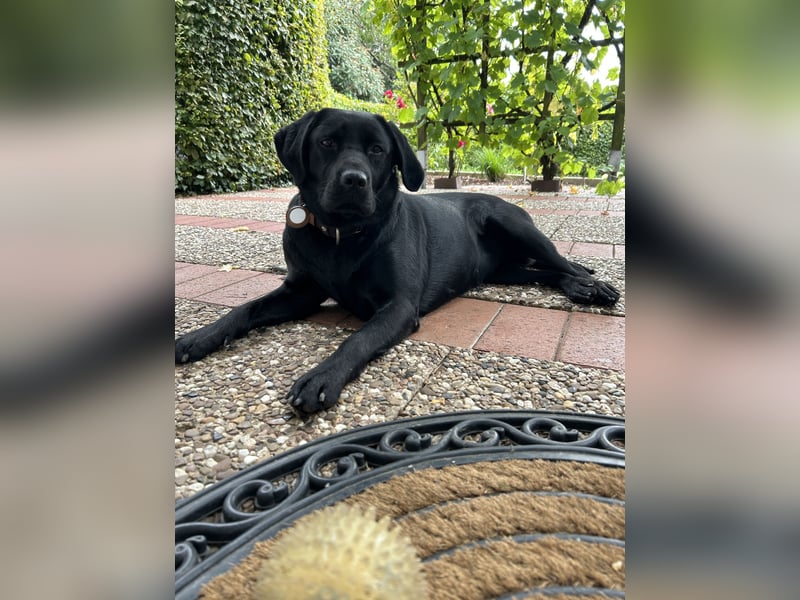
(514, 73)
(361, 63)
(592, 146)
(437, 157)
(243, 69)
(337, 100)
(492, 164)
(610, 188)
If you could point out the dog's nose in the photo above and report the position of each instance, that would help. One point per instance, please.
(352, 178)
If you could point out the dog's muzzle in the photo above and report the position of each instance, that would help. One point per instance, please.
(353, 179)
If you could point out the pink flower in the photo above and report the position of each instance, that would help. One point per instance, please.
(388, 94)
(461, 144)
(400, 103)
(489, 109)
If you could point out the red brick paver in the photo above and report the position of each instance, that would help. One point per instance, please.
(594, 340)
(186, 272)
(563, 247)
(226, 223)
(243, 291)
(592, 249)
(330, 314)
(210, 282)
(459, 323)
(524, 331)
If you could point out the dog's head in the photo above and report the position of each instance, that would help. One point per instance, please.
(345, 162)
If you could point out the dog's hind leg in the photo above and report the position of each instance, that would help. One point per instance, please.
(538, 260)
(581, 289)
(520, 237)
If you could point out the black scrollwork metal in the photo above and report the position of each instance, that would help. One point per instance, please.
(219, 525)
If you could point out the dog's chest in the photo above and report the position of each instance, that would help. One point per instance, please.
(356, 294)
(352, 280)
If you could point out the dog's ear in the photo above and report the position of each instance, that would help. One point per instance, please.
(412, 171)
(290, 142)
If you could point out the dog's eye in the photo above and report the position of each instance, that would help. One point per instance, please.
(326, 143)
(376, 149)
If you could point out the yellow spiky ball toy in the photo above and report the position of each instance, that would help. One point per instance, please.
(342, 553)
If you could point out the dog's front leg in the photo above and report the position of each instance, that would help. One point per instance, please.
(292, 300)
(321, 386)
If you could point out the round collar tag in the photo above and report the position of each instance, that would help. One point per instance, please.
(297, 216)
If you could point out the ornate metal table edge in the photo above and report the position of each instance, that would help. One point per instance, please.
(217, 527)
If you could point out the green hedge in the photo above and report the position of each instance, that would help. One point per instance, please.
(592, 149)
(337, 100)
(243, 69)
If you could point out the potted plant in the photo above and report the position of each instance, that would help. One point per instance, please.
(548, 183)
(452, 181)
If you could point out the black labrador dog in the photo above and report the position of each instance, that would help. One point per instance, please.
(386, 256)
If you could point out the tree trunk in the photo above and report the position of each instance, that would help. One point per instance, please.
(550, 168)
(422, 99)
(618, 133)
(485, 47)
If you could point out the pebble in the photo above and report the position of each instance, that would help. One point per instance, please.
(223, 465)
(180, 476)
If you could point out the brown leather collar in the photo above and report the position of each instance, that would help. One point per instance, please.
(298, 216)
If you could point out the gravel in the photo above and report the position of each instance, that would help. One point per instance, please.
(598, 229)
(241, 209)
(230, 413)
(245, 249)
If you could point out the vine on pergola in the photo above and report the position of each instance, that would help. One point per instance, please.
(513, 75)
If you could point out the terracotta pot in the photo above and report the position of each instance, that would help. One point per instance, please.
(546, 185)
(447, 183)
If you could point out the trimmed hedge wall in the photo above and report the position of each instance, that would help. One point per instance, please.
(594, 152)
(243, 69)
(337, 100)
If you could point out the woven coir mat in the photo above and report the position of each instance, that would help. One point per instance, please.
(509, 528)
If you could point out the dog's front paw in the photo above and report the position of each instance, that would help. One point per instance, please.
(606, 293)
(587, 290)
(315, 391)
(198, 344)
